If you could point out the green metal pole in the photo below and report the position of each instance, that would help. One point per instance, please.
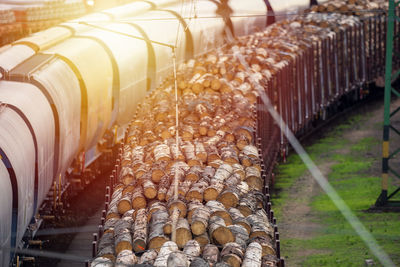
(382, 200)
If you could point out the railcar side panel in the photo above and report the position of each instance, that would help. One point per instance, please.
(93, 69)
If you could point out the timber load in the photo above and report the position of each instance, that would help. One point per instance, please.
(191, 189)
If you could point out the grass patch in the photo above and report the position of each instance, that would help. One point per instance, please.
(336, 244)
(294, 167)
(365, 144)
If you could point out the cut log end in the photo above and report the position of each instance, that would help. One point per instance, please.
(222, 235)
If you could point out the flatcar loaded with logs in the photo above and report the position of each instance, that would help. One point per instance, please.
(192, 186)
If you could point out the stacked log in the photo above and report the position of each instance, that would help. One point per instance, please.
(206, 183)
(216, 167)
(351, 7)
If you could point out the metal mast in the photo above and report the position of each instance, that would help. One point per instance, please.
(384, 199)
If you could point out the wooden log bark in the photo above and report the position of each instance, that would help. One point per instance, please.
(266, 244)
(199, 220)
(102, 262)
(199, 262)
(197, 190)
(130, 213)
(269, 261)
(163, 187)
(156, 234)
(218, 231)
(251, 151)
(229, 197)
(148, 257)
(162, 153)
(192, 249)
(158, 170)
(238, 169)
(202, 239)
(214, 140)
(252, 257)
(211, 254)
(177, 259)
(243, 188)
(184, 188)
(212, 153)
(223, 172)
(125, 258)
(239, 219)
(166, 249)
(194, 174)
(253, 178)
(260, 225)
(123, 234)
(218, 209)
(245, 160)
(232, 253)
(113, 207)
(192, 207)
(125, 203)
(174, 216)
(176, 152)
(138, 199)
(140, 231)
(249, 203)
(179, 168)
(178, 204)
(240, 233)
(126, 175)
(110, 225)
(190, 154)
(105, 247)
(213, 190)
(129, 188)
(142, 169)
(137, 157)
(229, 155)
(187, 133)
(233, 181)
(207, 173)
(217, 182)
(201, 152)
(149, 188)
(153, 206)
(183, 233)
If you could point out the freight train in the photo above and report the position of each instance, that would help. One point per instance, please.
(63, 89)
(310, 66)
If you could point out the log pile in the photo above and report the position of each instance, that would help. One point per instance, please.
(216, 164)
(352, 7)
(219, 212)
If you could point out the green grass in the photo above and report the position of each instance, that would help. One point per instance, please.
(336, 243)
(293, 168)
(365, 144)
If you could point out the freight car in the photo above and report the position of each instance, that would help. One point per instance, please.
(63, 88)
(307, 65)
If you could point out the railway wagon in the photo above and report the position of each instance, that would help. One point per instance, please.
(63, 88)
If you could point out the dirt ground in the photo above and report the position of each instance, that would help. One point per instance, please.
(298, 219)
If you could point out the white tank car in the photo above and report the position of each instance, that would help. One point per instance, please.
(62, 88)
(26, 152)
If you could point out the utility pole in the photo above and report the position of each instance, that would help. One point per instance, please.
(385, 199)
